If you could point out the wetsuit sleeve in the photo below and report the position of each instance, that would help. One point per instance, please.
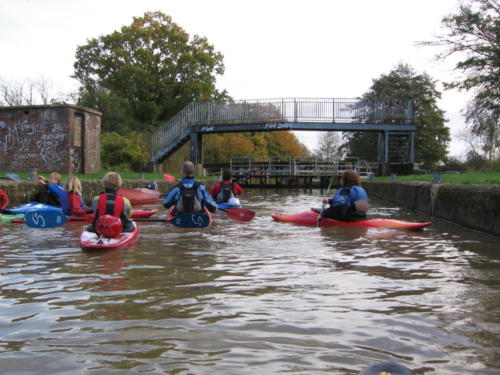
(215, 189)
(127, 209)
(358, 194)
(206, 198)
(171, 198)
(237, 189)
(4, 199)
(95, 201)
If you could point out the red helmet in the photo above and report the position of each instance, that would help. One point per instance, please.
(109, 226)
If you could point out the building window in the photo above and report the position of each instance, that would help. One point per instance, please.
(77, 137)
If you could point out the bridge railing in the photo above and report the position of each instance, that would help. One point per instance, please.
(296, 166)
(322, 110)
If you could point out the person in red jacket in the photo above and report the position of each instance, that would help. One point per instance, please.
(226, 189)
(76, 206)
(4, 199)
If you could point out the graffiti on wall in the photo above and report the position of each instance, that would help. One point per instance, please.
(75, 159)
(41, 142)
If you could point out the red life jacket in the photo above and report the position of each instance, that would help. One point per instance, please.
(110, 204)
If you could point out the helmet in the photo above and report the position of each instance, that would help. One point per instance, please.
(152, 185)
(109, 226)
(234, 202)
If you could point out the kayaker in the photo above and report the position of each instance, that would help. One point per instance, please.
(44, 195)
(111, 203)
(226, 189)
(4, 199)
(76, 205)
(350, 202)
(189, 195)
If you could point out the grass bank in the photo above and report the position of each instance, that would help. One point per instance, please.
(481, 178)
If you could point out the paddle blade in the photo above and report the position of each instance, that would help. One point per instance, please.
(44, 219)
(240, 214)
(168, 177)
(191, 220)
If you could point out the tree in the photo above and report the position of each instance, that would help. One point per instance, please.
(473, 35)
(28, 92)
(329, 146)
(222, 147)
(123, 152)
(152, 67)
(432, 135)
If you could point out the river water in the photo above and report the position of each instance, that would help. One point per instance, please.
(252, 298)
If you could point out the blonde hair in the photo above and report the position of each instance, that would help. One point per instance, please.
(73, 184)
(55, 177)
(112, 180)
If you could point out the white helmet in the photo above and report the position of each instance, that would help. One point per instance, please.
(234, 202)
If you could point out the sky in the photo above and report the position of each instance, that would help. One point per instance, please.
(272, 48)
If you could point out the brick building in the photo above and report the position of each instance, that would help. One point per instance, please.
(61, 138)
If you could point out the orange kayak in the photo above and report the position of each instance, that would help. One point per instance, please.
(310, 218)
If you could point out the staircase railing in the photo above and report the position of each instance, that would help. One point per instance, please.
(320, 110)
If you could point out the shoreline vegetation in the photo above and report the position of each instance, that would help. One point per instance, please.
(480, 178)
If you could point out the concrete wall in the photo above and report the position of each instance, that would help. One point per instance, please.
(472, 206)
(44, 138)
(22, 191)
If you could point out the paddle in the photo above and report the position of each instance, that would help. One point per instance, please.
(240, 214)
(53, 219)
(323, 205)
(168, 177)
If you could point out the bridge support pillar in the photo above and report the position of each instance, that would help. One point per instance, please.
(196, 148)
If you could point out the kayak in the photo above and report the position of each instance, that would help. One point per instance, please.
(190, 220)
(136, 214)
(23, 208)
(140, 196)
(7, 218)
(93, 241)
(310, 218)
(226, 206)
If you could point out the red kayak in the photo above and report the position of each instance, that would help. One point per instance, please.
(93, 241)
(310, 218)
(136, 214)
(140, 196)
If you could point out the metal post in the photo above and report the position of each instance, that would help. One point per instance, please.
(386, 147)
(294, 110)
(196, 148)
(412, 147)
(333, 110)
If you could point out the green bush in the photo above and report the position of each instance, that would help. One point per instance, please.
(124, 152)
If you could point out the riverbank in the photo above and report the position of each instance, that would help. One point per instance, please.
(473, 206)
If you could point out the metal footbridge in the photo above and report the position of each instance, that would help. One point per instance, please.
(392, 119)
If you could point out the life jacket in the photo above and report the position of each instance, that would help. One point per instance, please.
(342, 197)
(69, 196)
(62, 195)
(225, 193)
(110, 204)
(188, 200)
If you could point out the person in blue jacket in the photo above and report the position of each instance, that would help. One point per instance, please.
(56, 188)
(350, 202)
(189, 195)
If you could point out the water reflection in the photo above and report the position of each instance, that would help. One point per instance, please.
(258, 297)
